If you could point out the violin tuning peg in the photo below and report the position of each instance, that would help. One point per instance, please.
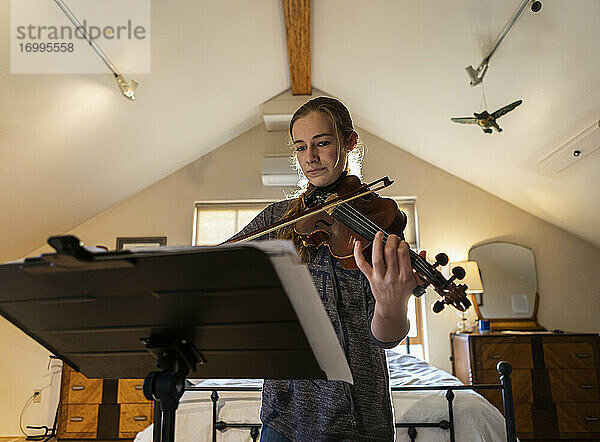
(458, 272)
(441, 259)
(438, 306)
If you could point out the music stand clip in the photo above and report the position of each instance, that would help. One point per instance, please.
(175, 357)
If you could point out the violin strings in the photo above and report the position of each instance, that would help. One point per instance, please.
(356, 218)
(360, 221)
(372, 228)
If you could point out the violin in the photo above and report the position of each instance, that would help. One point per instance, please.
(357, 220)
(354, 212)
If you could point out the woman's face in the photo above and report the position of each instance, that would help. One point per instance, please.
(317, 150)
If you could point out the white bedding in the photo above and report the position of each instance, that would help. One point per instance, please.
(475, 419)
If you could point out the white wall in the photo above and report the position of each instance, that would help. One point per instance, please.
(24, 368)
(453, 215)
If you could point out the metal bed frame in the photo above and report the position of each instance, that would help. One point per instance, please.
(505, 385)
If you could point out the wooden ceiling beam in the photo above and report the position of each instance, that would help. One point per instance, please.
(297, 26)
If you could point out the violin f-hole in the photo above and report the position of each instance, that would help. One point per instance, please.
(322, 221)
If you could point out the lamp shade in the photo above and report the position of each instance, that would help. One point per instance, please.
(472, 278)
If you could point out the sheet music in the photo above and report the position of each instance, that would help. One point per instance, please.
(271, 248)
(305, 300)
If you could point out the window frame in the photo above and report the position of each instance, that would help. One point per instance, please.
(224, 204)
(420, 326)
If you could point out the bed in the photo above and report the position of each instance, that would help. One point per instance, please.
(446, 411)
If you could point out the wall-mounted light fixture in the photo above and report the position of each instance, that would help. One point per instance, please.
(476, 75)
(127, 88)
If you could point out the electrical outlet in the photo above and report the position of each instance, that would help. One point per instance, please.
(38, 396)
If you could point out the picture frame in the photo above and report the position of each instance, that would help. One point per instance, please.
(130, 242)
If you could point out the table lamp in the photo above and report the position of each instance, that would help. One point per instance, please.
(474, 286)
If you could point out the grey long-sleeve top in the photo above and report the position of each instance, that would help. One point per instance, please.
(316, 410)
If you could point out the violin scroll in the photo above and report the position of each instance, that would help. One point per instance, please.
(451, 293)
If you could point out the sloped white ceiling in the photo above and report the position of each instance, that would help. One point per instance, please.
(71, 146)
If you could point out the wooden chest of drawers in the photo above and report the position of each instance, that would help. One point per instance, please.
(556, 379)
(97, 409)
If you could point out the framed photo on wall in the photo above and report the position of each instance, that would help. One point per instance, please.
(133, 242)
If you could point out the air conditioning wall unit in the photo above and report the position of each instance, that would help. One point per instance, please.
(277, 122)
(277, 171)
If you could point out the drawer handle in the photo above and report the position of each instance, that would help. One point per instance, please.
(591, 418)
(140, 418)
(139, 387)
(582, 355)
(586, 386)
(76, 419)
(77, 387)
(495, 357)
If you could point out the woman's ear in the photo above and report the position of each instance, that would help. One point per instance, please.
(352, 141)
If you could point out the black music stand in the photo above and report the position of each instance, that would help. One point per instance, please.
(213, 312)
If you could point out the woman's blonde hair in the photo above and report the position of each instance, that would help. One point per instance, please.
(343, 128)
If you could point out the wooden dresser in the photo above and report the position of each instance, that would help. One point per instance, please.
(555, 379)
(97, 409)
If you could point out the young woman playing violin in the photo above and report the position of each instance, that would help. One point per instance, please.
(367, 307)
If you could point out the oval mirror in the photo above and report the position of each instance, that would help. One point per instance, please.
(509, 277)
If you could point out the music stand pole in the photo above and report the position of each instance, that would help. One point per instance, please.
(176, 357)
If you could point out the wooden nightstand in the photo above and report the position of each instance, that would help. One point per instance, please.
(555, 379)
(96, 409)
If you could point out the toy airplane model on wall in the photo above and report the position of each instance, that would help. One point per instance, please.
(486, 120)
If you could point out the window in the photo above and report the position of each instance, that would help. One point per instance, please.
(215, 222)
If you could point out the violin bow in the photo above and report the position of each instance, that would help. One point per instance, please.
(381, 183)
